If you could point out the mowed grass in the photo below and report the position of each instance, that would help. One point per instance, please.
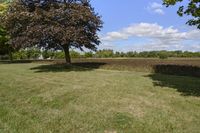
(42, 98)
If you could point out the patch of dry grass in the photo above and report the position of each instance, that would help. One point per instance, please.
(93, 100)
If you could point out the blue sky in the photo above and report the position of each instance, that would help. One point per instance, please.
(138, 25)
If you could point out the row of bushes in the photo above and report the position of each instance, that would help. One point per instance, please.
(145, 54)
(182, 70)
(38, 54)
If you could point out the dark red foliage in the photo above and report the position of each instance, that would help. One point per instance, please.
(57, 26)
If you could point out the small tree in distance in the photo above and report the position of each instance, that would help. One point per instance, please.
(53, 25)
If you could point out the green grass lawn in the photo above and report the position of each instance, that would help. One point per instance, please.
(39, 98)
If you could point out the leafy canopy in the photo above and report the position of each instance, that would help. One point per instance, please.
(53, 24)
(192, 9)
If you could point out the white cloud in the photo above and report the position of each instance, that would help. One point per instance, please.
(159, 11)
(115, 36)
(156, 8)
(160, 37)
(107, 45)
(153, 31)
(195, 47)
(155, 5)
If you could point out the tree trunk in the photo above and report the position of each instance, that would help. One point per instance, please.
(67, 54)
(10, 55)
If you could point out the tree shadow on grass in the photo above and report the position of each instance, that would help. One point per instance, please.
(85, 66)
(187, 86)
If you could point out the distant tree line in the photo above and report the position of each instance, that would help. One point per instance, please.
(145, 54)
(34, 53)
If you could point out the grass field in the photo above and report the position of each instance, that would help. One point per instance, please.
(47, 98)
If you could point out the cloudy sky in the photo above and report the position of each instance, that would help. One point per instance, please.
(142, 25)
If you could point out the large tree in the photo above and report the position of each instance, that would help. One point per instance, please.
(191, 9)
(53, 25)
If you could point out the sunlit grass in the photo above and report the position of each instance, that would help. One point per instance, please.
(45, 98)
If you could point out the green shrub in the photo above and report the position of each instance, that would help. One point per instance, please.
(75, 54)
(33, 53)
(59, 55)
(88, 54)
(48, 54)
(163, 56)
(20, 55)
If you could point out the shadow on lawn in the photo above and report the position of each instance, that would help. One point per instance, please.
(85, 66)
(187, 86)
